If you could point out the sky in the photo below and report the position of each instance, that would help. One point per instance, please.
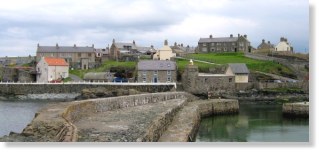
(25, 23)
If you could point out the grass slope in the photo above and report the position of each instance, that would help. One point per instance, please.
(254, 65)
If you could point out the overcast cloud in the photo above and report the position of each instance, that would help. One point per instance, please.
(148, 22)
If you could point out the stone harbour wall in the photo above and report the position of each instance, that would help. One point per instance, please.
(299, 109)
(44, 126)
(177, 124)
(25, 89)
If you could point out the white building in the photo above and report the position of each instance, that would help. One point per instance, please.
(283, 45)
(165, 53)
(49, 69)
(240, 71)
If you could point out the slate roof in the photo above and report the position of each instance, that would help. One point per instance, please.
(218, 39)
(55, 61)
(121, 45)
(156, 65)
(68, 49)
(239, 68)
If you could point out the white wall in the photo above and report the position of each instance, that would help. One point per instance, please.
(49, 73)
(241, 78)
(283, 46)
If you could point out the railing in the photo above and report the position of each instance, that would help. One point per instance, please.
(93, 83)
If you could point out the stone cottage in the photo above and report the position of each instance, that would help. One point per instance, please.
(156, 71)
(49, 69)
(240, 71)
(265, 47)
(224, 44)
(120, 51)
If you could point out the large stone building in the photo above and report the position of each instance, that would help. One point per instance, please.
(283, 45)
(49, 69)
(156, 71)
(224, 44)
(204, 83)
(164, 53)
(78, 57)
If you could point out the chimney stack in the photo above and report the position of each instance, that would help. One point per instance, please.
(268, 42)
(231, 35)
(133, 42)
(57, 45)
(245, 36)
(38, 45)
(165, 42)
(113, 41)
(182, 45)
(238, 35)
(74, 45)
(210, 36)
(263, 41)
(175, 44)
(92, 45)
(282, 39)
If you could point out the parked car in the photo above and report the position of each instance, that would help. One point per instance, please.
(119, 79)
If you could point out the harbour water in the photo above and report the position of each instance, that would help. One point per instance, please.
(254, 123)
(15, 115)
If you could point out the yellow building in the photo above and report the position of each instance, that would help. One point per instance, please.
(165, 53)
(240, 71)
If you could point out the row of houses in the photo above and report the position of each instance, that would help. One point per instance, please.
(86, 57)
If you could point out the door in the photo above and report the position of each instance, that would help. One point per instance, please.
(155, 79)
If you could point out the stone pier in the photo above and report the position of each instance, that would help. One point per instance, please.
(165, 117)
(299, 109)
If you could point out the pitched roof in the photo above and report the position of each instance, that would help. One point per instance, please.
(68, 49)
(239, 68)
(156, 65)
(55, 61)
(121, 45)
(218, 39)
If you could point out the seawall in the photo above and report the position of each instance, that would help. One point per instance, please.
(71, 121)
(299, 109)
(69, 88)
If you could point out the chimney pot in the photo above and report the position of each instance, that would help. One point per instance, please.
(211, 36)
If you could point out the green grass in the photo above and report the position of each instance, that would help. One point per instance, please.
(106, 66)
(252, 64)
(202, 67)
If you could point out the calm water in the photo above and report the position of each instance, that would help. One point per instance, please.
(254, 123)
(15, 115)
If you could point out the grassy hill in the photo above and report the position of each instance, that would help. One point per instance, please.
(219, 58)
(253, 65)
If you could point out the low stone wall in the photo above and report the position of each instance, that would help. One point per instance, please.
(300, 109)
(25, 89)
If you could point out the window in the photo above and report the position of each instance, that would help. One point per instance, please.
(230, 79)
(169, 79)
(89, 54)
(79, 54)
(169, 72)
(155, 72)
(144, 73)
(212, 44)
(144, 79)
(204, 44)
(233, 43)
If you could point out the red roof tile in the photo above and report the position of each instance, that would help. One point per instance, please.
(55, 61)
